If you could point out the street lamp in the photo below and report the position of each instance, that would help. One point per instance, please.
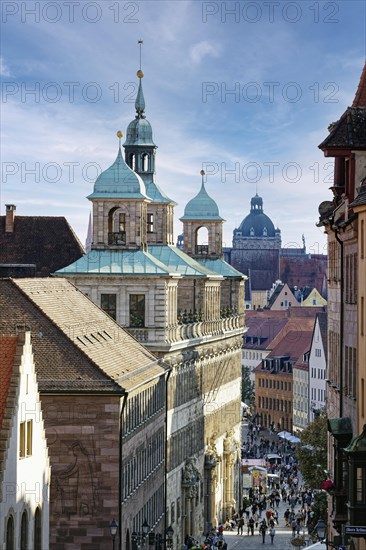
(113, 527)
(169, 537)
(139, 538)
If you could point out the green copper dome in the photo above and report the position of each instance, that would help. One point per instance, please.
(118, 181)
(202, 207)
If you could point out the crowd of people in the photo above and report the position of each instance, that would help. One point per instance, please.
(259, 513)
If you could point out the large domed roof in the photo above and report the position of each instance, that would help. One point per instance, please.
(256, 224)
(201, 207)
(119, 181)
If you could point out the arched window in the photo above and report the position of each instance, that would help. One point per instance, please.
(24, 531)
(251, 232)
(10, 534)
(132, 160)
(145, 162)
(201, 244)
(264, 232)
(37, 530)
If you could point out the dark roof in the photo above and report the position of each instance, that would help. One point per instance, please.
(304, 271)
(323, 326)
(360, 200)
(360, 97)
(263, 328)
(349, 132)
(8, 348)
(275, 295)
(37, 246)
(76, 346)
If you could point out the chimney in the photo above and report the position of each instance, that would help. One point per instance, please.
(9, 220)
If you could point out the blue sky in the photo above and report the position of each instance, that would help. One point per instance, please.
(245, 90)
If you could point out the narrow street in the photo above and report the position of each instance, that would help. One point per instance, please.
(283, 536)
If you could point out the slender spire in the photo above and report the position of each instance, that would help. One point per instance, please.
(360, 97)
(140, 100)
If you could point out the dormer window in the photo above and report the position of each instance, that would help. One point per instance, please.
(251, 232)
(264, 232)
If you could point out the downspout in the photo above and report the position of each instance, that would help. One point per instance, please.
(166, 454)
(341, 317)
(120, 480)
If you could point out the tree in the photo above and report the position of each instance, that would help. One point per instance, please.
(247, 391)
(311, 452)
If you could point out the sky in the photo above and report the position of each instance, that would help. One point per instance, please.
(245, 90)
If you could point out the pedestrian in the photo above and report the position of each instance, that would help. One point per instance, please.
(240, 526)
(251, 526)
(263, 530)
(272, 533)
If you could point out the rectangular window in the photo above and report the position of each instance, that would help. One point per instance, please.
(108, 303)
(122, 222)
(137, 310)
(25, 439)
(318, 353)
(150, 223)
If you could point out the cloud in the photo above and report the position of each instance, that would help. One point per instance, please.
(4, 70)
(203, 49)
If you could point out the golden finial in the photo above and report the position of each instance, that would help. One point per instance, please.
(140, 74)
(119, 134)
(202, 172)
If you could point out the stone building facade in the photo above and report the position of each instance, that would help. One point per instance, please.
(187, 307)
(343, 219)
(103, 399)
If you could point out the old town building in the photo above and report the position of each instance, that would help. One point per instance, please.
(344, 221)
(24, 461)
(318, 367)
(187, 307)
(35, 246)
(102, 402)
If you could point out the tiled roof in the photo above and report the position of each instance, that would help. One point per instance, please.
(8, 346)
(304, 271)
(266, 328)
(323, 326)
(360, 97)
(349, 132)
(294, 343)
(46, 242)
(360, 200)
(76, 345)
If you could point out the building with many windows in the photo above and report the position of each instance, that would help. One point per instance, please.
(344, 221)
(318, 366)
(187, 307)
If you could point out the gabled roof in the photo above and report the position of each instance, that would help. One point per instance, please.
(294, 344)
(8, 348)
(44, 242)
(349, 132)
(322, 319)
(77, 347)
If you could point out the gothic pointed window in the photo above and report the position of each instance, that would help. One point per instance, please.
(24, 531)
(10, 534)
(37, 530)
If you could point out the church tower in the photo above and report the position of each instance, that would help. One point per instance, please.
(140, 152)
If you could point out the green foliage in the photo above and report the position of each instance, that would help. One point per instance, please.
(247, 388)
(311, 452)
